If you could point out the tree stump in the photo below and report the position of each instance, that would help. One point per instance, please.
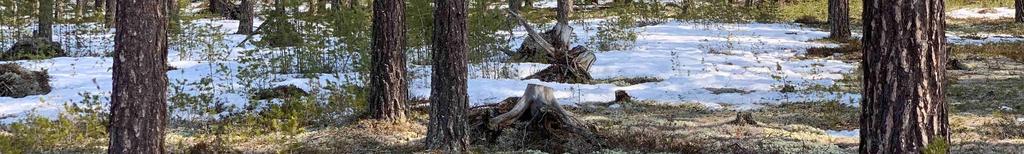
(744, 118)
(539, 110)
(567, 65)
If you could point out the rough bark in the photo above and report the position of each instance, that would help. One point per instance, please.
(388, 88)
(172, 14)
(839, 19)
(562, 28)
(904, 58)
(1019, 13)
(247, 14)
(138, 100)
(447, 129)
(110, 13)
(45, 30)
(97, 5)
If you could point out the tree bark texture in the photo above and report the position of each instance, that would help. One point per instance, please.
(45, 30)
(97, 5)
(1019, 11)
(447, 129)
(562, 27)
(110, 14)
(139, 98)
(839, 19)
(388, 87)
(904, 107)
(247, 14)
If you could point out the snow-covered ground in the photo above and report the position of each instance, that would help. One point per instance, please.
(689, 57)
(843, 133)
(981, 13)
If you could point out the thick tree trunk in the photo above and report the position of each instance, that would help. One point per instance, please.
(45, 30)
(388, 88)
(110, 14)
(839, 19)
(1019, 7)
(139, 98)
(447, 129)
(224, 8)
(247, 14)
(904, 71)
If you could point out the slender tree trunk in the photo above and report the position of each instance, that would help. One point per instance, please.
(904, 109)
(388, 88)
(110, 14)
(172, 14)
(447, 129)
(839, 19)
(80, 8)
(1019, 7)
(97, 5)
(45, 30)
(246, 22)
(562, 26)
(139, 99)
(352, 4)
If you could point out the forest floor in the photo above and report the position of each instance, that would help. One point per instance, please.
(690, 80)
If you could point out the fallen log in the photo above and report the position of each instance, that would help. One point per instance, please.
(538, 112)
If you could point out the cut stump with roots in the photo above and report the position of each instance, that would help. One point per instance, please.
(567, 65)
(541, 114)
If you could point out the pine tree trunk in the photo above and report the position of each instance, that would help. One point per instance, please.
(246, 22)
(388, 88)
(904, 109)
(562, 42)
(45, 30)
(839, 19)
(97, 5)
(110, 14)
(1019, 7)
(447, 129)
(172, 14)
(139, 97)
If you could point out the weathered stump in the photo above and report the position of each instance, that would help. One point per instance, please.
(567, 65)
(744, 118)
(541, 114)
(572, 68)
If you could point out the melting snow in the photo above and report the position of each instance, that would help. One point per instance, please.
(981, 13)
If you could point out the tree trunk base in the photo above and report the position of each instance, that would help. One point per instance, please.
(536, 113)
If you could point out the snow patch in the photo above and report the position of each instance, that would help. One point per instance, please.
(981, 13)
